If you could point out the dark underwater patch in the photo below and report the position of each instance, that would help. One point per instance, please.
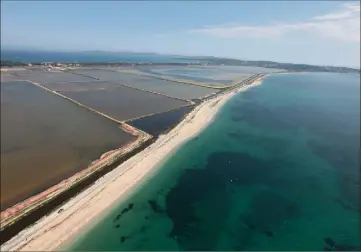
(269, 210)
(193, 186)
(344, 157)
(125, 210)
(155, 206)
(334, 246)
(237, 118)
(261, 116)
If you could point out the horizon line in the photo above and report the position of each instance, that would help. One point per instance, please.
(2, 49)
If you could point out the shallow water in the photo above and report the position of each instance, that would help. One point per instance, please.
(212, 75)
(162, 122)
(45, 138)
(173, 89)
(50, 77)
(278, 169)
(123, 103)
(190, 74)
(80, 85)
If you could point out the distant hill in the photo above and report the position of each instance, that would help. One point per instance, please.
(19, 57)
(271, 64)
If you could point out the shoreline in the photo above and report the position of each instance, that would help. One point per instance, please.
(61, 227)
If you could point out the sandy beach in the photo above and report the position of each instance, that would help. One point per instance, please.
(57, 229)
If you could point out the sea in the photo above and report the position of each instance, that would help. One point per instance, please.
(278, 169)
(89, 57)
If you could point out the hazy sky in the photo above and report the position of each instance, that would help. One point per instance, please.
(325, 32)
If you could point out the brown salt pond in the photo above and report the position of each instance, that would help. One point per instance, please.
(169, 88)
(123, 103)
(79, 85)
(49, 77)
(5, 77)
(45, 139)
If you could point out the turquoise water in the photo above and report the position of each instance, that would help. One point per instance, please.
(278, 169)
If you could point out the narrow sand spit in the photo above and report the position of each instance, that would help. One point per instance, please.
(60, 227)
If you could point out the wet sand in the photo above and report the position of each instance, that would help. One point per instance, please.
(45, 139)
(55, 230)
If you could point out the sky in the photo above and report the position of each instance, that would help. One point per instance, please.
(311, 32)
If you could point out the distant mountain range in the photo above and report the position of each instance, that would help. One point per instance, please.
(16, 57)
(272, 64)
